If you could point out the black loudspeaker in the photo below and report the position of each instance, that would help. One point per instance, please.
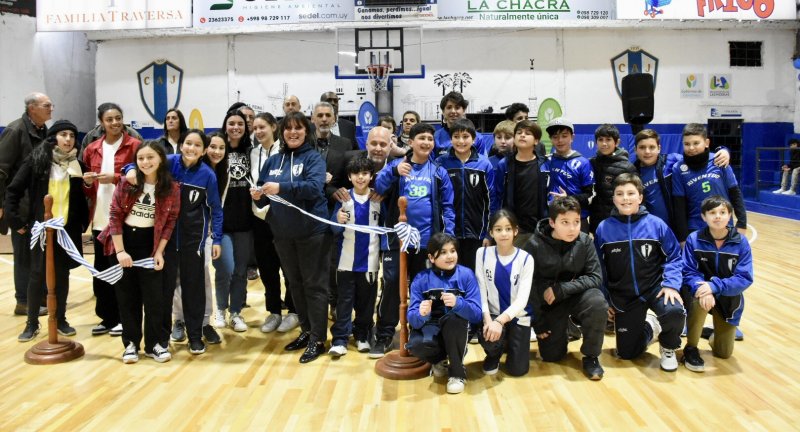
(637, 98)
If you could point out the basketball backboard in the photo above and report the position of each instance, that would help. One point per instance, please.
(400, 48)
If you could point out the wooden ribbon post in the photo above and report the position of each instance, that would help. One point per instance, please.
(399, 364)
(54, 349)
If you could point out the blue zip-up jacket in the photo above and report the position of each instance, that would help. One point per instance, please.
(300, 173)
(658, 188)
(200, 204)
(461, 281)
(473, 192)
(728, 269)
(430, 198)
(640, 255)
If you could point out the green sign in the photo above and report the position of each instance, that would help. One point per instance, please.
(548, 110)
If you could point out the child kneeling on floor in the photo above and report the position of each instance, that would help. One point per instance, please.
(444, 300)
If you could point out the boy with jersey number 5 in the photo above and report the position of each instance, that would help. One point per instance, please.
(359, 255)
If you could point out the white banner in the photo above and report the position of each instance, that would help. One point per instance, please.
(392, 13)
(61, 15)
(692, 86)
(707, 9)
(720, 85)
(526, 11)
(241, 13)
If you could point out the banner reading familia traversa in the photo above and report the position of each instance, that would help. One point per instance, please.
(526, 11)
(241, 13)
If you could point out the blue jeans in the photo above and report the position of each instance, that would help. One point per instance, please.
(231, 277)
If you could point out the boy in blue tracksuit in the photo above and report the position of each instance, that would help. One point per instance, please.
(570, 173)
(717, 268)
(430, 210)
(184, 255)
(453, 106)
(474, 199)
(655, 170)
(696, 179)
(358, 260)
(444, 300)
(641, 260)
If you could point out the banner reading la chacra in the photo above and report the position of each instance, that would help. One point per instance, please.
(62, 15)
(526, 11)
(707, 9)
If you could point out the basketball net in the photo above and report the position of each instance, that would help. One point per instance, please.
(379, 76)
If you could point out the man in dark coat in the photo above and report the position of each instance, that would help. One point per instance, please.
(16, 143)
(342, 127)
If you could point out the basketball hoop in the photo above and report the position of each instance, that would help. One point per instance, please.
(379, 76)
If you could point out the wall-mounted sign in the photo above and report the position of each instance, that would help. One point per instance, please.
(241, 13)
(60, 15)
(722, 112)
(160, 88)
(633, 61)
(526, 11)
(719, 85)
(364, 11)
(692, 86)
(707, 9)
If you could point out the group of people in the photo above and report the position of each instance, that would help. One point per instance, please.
(515, 244)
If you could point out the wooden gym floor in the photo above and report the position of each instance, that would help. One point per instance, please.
(250, 383)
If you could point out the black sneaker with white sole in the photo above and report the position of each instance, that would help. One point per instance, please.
(30, 332)
(592, 368)
(379, 348)
(64, 329)
(159, 354)
(692, 360)
(491, 365)
(197, 347)
(210, 335)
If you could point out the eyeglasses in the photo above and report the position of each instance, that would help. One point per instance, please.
(47, 106)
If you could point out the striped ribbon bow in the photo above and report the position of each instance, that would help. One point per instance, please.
(111, 275)
(408, 235)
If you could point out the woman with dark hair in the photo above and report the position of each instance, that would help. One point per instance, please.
(52, 168)
(269, 265)
(297, 175)
(104, 158)
(141, 221)
(231, 274)
(174, 130)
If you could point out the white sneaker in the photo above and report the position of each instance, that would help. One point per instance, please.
(271, 323)
(219, 319)
(790, 192)
(669, 362)
(237, 322)
(655, 325)
(439, 370)
(160, 354)
(130, 355)
(362, 346)
(289, 322)
(338, 350)
(779, 191)
(455, 385)
(533, 335)
(116, 331)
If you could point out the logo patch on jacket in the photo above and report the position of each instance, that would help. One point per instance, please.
(193, 196)
(732, 264)
(646, 250)
(297, 169)
(474, 179)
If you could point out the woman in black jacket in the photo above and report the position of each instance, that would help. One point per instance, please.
(52, 168)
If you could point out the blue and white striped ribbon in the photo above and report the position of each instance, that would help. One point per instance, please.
(111, 275)
(408, 235)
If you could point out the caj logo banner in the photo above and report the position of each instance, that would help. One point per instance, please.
(633, 61)
(63, 15)
(160, 88)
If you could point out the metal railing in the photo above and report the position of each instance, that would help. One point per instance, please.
(769, 167)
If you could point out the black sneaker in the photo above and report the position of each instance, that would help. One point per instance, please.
(252, 273)
(197, 347)
(211, 335)
(178, 331)
(573, 331)
(300, 343)
(379, 348)
(707, 332)
(64, 329)
(31, 330)
(692, 360)
(100, 329)
(592, 368)
(491, 365)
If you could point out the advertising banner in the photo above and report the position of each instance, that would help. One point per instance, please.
(692, 86)
(366, 12)
(526, 12)
(60, 15)
(240, 13)
(707, 9)
(719, 85)
(19, 7)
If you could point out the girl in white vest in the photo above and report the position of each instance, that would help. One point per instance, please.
(505, 274)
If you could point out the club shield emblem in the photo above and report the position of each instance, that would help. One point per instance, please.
(160, 88)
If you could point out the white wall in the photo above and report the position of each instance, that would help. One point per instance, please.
(571, 65)
(60, 65)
